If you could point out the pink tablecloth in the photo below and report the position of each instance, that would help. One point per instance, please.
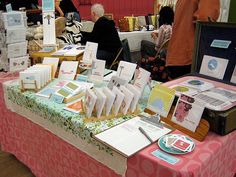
(49, 156)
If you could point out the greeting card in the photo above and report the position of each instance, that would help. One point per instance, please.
(141, 78)
(127, 99)
(19, 63)
(75, 107)
(101, 100)
(90, 52)
(137, 95)
(52, 61)
(110, 98)
(126, 70)
(197, 84)
(68, 70)
(188, 112)
(30, 80)
(46, 92)
(90, 100)
(119, 96)
(161, 99)
(116, 81)
(213, 66)
(98, 68)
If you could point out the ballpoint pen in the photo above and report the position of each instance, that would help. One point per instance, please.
(145, 134)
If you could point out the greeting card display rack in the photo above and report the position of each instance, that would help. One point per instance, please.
(110, 116)
(199, 134)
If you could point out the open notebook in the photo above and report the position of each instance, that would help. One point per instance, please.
(127, 139)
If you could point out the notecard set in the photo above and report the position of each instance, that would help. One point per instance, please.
(176, 144)
(35, 77)
(104, 101)
(13, 41)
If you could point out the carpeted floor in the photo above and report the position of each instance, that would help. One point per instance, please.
(11, 167)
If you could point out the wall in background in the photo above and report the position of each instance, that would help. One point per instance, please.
(119, 8)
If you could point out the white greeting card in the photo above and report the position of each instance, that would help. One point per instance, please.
(126, 70)
(90, 52)
(68, 70)
(17, 49)
(141, 78)
(188, 112)
(49, 32)
(127, 99)
(116, 81)
(101, 100)
(54, 62)
(137, 95)
(110, 98)
(48, 71)
(90, 100)
(213, 66)
(13, 19)
(15, 35)
(29, 78)
(19, 63)
(233, 77)
(41, 72)
(119, 96)
(98, 68)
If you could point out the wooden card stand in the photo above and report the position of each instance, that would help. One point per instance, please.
(111, 116)
(24, 89)
(199, 134)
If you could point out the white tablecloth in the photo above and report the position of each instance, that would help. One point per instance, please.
(135, 38)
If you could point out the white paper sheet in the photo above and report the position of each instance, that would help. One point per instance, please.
(126, 137)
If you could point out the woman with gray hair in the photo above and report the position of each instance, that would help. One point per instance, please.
(104, 33)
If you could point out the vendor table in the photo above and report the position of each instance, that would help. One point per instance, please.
(37, 57)
(135, 38)
(55, 143)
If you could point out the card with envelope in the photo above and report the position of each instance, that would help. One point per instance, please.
(101, 100)
(110, 98)
(119, 96)
(90, 100)
(128, 97)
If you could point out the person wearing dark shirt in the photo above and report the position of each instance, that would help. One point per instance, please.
(66, 8)
(104, 33)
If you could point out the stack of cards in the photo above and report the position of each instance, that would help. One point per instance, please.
(118, 100)
(176, 144)
(35, 77)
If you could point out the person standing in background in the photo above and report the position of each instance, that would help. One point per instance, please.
(180, 48)
(66, 8)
